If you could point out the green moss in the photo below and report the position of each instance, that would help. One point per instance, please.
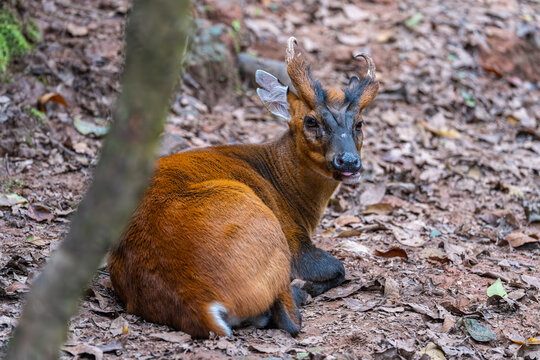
(35, 113)
(16, 37)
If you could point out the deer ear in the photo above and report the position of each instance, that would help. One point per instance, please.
(273, 94)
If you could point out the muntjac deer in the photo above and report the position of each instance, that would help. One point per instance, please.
(221, 231)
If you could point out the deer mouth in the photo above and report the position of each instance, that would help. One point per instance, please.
(348, 177)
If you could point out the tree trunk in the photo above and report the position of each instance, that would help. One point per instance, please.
(157, 38)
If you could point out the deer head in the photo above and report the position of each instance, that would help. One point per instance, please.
(326, 123)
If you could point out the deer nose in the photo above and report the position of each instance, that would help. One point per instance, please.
(347, 162)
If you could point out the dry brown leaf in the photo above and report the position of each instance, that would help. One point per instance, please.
(359, 231)
(36, 240)
(77, 30)
(344, 220)
(391, 309)
(379, 209)
(373, 193)
(391, 288)
(393, 252)
(358, 306)
(423, 309)
(531, 281)
(448, 323)
(430, 252)
(349, 233)
(82, 349)
(173, 337)
(50, 97)
(517, 239)
(341, 292)
(119, 326)
(40, 213)
(266, 348)
(445, 131)
(16, 287)
(442, 260)
(355, 247)
(409, 234)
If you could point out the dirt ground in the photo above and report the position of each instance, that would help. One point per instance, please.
(450, 200)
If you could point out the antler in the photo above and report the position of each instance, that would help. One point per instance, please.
(365, 90)
(299, 72)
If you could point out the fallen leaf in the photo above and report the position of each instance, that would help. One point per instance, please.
(77, 30)
(16, 287)
(358, 306)
(341, 292)
(431, 252)
(490, 274)
(6, 320)
(11, 199)
(266, 348)
(112, 346)
(478, 331)
(432, 351)
(513, 191)
(445, 131)
(393, 252)
(505, 53)
(414, 20)
(344, 220)
(517, 294)
(423, 309)
(50, 97)
(372, 193)
(409, 234)
(355, 247)
(84, 349)
(385, 36)
(531, 281)
(173, 337)
(469, 99)
(447, 305)
(497, 289)
(351, 40)
(379, 209)
(532, 211)
(442, 260)
(434, 233)
(528, 341)
(36, 240)
(391, 288)
(40, 213)
(529, 352)
(119, 326)
(391, 309)
(517, 239)
(359, 231)
(87, 128)
(448, 323)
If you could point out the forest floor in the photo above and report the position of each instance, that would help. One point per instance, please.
(450, 200)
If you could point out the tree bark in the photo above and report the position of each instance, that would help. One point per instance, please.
(157, 37)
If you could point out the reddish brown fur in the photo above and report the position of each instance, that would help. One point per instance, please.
(219, 224)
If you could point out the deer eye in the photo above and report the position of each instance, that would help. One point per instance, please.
(310, 122)
(359, 125)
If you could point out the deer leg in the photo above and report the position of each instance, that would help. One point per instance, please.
(285, 314)
(320, 270)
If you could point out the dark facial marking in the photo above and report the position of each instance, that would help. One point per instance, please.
(320, 94)
(355, 89)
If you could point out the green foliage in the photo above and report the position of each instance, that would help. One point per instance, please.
(16, 37)
(35, 113)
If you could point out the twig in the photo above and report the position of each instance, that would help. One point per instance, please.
(6, 164)
(62, 147)
(516, 262)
